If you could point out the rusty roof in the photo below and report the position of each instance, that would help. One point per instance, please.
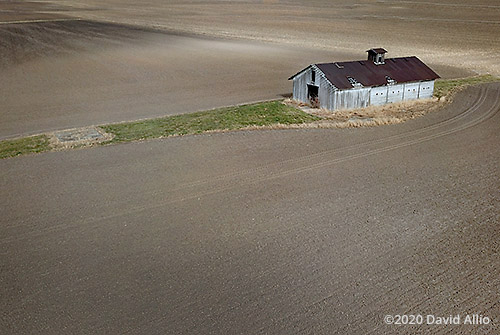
(402, 70)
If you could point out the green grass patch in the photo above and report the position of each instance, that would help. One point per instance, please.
(445, 87)
(22, 146)
(229, 118)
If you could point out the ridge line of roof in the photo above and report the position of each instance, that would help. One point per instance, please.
(364, 60)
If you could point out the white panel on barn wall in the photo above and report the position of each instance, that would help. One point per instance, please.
(411, 91)
(378, 95)
(395, 93)
(426, 89)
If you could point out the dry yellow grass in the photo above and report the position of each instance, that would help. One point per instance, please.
(366, 117)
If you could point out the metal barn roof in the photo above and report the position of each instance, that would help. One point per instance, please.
(404, 69)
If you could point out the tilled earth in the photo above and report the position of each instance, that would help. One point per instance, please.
(260, 232)
(71, 64)
(312, 231)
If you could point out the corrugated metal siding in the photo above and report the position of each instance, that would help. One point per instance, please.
(333, 99)
(300, 87)
(303, 79)
(330, 101)
(325, 92)
(354, 98)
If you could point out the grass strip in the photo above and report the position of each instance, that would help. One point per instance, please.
(445, 87)
(229, 118)
(25, 145)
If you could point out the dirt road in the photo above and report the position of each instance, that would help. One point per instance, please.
(264, 232)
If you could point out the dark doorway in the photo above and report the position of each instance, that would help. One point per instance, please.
(312, 94)
(312, 91)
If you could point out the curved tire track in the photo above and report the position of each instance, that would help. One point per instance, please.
(307, 158)
(480, 111)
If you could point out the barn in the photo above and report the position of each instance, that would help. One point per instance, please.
(357, 84)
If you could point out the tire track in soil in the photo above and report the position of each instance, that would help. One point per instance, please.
(247, 177)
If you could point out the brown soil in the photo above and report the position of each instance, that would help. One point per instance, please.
(119, 61)
(269, 232)
(446, 33)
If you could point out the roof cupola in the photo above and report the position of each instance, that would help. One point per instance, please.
(377, 55)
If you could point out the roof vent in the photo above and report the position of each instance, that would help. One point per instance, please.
(377, 55)
(354, 82)
(390, 81)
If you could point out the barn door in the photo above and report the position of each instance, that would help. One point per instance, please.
(312, 94)
(312, 91)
